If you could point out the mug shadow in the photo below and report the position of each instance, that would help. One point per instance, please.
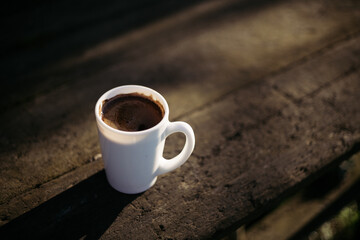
(84, 211)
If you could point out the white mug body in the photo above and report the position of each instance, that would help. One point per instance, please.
(133, 160)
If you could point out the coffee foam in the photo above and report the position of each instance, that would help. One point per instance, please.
(132, 112)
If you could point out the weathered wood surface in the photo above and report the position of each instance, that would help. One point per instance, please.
(299, 215)
(271, 90)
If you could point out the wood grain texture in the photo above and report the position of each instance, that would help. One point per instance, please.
(272, 109)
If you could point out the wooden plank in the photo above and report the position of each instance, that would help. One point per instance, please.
(39, 34)
(258, 145)
(296, 212)
(194, 58)
(297, 83)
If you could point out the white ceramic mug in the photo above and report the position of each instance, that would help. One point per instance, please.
(133, 160)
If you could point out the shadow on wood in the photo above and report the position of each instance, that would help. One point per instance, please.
(85, 210)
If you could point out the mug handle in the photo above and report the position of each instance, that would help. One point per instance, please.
(167, 165)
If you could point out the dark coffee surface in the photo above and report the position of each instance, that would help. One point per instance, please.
(131, 112)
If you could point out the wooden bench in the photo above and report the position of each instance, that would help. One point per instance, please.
(271, 90)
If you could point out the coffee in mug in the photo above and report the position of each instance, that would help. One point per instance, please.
(132, 112)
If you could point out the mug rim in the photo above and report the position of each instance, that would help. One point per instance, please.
(117, 91)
